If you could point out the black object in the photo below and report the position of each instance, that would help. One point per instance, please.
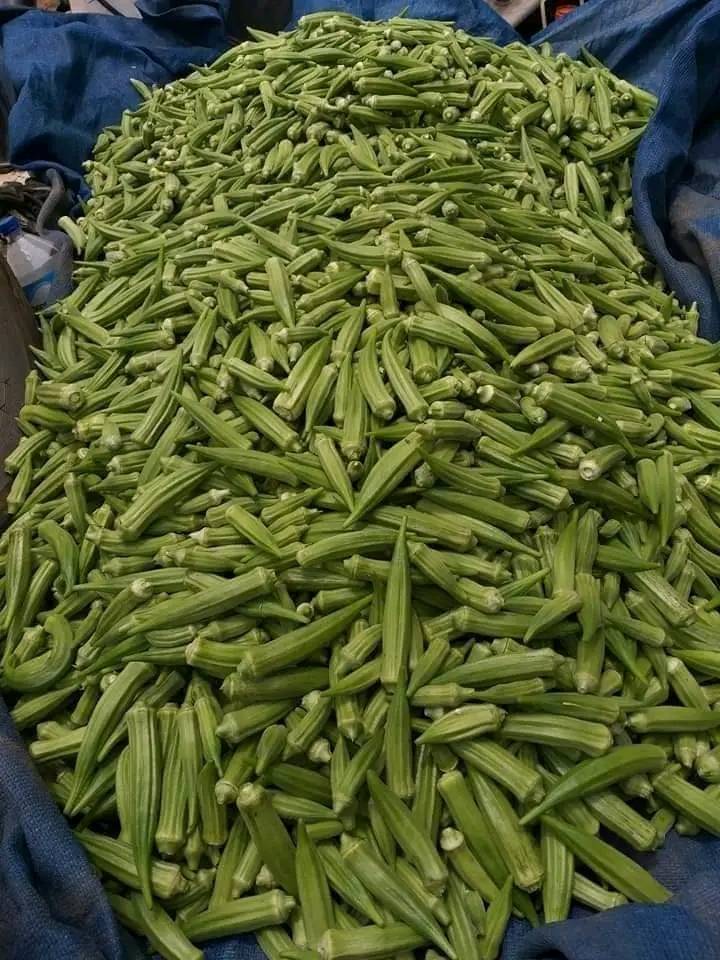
(37, 203)
(270, 15)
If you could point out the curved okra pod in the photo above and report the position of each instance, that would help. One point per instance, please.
(66, 553)
(41, 672)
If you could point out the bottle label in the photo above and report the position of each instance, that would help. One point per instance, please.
(38, 290)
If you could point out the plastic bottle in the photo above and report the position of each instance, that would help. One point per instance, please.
(42, 265)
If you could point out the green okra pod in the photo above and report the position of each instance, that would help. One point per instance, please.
(268, 832)
(614, 867)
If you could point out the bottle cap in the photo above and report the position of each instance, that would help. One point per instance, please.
(9, 226)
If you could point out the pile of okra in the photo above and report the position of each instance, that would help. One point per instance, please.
(361, 586)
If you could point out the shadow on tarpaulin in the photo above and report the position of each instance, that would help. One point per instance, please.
(70, 79)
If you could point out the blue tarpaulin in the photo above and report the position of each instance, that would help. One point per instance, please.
(70, 76)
